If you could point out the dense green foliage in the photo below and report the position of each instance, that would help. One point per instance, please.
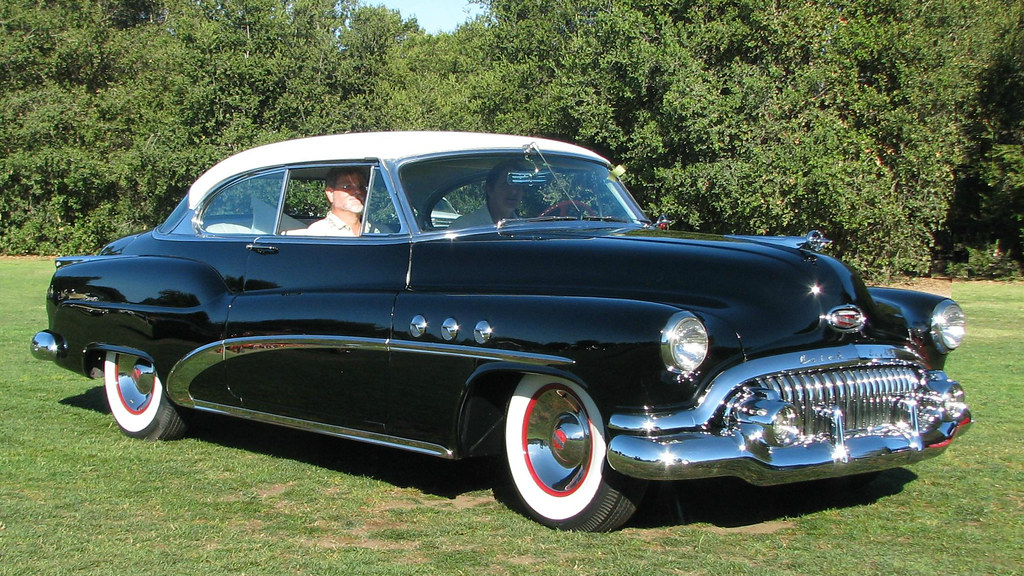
(896, 127)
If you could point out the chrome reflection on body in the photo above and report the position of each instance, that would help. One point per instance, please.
(831, 413)
(199, 360)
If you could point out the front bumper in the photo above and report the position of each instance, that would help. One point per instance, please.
(794, 418)
(691, 455)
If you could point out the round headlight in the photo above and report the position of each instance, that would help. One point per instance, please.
(948, 325)
(684, 343)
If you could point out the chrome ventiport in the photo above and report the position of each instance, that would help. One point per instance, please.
(450, 329)
(482, 332)
(418, 326)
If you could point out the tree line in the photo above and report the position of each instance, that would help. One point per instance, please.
(895, 126)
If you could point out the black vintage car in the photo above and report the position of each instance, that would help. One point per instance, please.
(504, 295)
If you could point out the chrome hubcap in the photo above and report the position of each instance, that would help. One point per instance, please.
(134, 385)
(557, 440)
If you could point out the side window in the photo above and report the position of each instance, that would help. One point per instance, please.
(248, 206)
(306, 203)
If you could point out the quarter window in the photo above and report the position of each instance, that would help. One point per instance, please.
(248, 206)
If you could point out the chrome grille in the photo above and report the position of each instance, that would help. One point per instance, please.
(867, 395)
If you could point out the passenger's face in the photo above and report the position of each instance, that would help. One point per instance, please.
(504, 199)
(347, 192)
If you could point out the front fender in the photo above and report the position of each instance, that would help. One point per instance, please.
(912, 311)
(611, 347)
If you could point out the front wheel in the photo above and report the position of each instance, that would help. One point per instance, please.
(137, 400)
(555, 450)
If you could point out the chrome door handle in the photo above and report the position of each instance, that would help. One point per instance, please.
(261, 248)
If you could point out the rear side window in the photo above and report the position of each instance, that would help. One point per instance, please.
(249, 206)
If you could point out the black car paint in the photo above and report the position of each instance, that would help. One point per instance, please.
(597, 298)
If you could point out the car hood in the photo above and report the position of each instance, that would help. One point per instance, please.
(769, 293)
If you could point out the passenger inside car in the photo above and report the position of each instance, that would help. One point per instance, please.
(345, 188)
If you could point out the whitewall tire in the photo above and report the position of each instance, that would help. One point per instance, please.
(137, 400)
(555, 450)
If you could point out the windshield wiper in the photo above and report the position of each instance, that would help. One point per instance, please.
(510, 221)
(595, 218)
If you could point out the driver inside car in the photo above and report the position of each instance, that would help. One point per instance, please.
(503, 196)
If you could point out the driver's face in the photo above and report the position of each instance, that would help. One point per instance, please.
(504, 199)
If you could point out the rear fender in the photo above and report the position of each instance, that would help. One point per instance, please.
(156, 307)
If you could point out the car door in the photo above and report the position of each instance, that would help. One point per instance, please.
(307, 337)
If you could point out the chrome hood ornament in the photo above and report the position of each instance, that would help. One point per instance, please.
(815, 241)
(846, 318)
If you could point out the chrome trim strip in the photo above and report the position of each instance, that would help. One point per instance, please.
(723, 384)
(491, 354)
(185, 371)
(330, 430)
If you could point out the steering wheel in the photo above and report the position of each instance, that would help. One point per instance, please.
(568, 208)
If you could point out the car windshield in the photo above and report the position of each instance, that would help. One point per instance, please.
(503, 190)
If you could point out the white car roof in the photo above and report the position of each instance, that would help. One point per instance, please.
(369, 146)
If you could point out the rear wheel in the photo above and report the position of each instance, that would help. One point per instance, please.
(137, 400)
(555, 450)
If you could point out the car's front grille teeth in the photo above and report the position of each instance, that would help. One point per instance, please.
(867, 395)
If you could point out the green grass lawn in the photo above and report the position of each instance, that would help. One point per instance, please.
(76, 496)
